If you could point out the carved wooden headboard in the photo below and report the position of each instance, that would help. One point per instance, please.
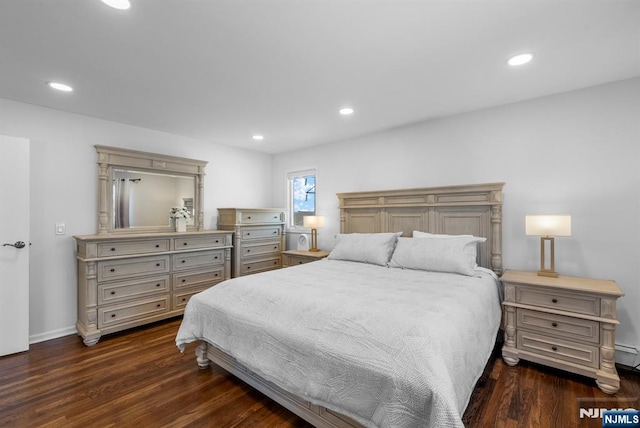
(474, 209)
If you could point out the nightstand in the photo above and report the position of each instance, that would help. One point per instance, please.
(566, 322)
(297, 257)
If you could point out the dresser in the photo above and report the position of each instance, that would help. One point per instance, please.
(299, 257)
(259, 237)
(129, 280)
(566, 322)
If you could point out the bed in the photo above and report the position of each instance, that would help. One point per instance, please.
(345, 343)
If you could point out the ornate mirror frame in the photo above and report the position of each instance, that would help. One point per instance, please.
(115, 157)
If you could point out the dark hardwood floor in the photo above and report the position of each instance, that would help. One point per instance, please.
(139, 379)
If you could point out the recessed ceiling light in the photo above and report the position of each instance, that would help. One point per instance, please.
(346, 111)
(520, 59)
(60, 86)
(118, 4)
(258, 137)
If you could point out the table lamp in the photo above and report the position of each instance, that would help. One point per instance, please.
(547, 227)
(313, 222)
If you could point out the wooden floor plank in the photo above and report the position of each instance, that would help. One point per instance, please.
(139, 379)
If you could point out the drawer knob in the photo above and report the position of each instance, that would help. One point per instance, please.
(275, 263)
(554, 348)
(554, 324)
(554, 300)
(158, 305)
(248, 233)
(158, 264)
(275, 247)
(300, 262)
(248, 251)
(184, 243)
(113, 315)
(275, 216)
(157, 285)
(217, 241)
(113, 292)
(184, 280)
(248, 267)
(215, 274)
(215, 257)
(113, 248)
(184, 261)
(249, 217)
(275, 232)
(184, 299)
(157, 245)
(113, 270)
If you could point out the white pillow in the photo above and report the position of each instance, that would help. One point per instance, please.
(418, 234)
(374, 248)
(455, 254)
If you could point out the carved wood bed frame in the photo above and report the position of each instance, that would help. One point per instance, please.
(468, 209)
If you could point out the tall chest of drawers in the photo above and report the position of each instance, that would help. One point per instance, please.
(259, 237)
(566, 322)
(129, 280)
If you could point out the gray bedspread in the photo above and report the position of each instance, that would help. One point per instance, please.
(386, 347)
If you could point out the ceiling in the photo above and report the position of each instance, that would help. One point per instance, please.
(224, 70)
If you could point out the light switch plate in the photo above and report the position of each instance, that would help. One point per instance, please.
(61, 229)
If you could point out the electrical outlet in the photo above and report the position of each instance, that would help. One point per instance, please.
(61, 229)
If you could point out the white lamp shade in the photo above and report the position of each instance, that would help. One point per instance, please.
(313, 221)
(548, 225)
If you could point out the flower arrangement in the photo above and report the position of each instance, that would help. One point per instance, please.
(179, 212)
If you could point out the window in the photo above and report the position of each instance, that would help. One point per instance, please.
(302, 195)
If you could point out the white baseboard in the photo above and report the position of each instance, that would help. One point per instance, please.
(54, 334)
(627, 355)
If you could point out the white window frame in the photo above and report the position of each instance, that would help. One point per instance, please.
(289, 183)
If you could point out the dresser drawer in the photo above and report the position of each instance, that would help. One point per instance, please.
(112, 292)
(261, 217)
(113, 315)
(139, 266)
(197, 260)
(559, 349)
(192, 279)
(260, 232)
(558, 325)
(122, 248)
(181, 299)
(259, 249)
(255, 266)
(196, 242)
(578, 303)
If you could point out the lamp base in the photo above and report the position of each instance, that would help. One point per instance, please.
(313, 250)
(548, 273)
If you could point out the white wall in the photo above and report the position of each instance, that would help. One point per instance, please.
(576, 153)
(64, 190)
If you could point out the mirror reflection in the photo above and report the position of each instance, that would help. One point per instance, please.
(143, 199)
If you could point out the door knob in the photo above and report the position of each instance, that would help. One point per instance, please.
(17, 244)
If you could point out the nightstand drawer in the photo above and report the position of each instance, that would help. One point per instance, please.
(578, 303)
(297, 260)
(558, 325)
(559, 349)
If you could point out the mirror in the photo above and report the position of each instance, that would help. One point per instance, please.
(138, 189)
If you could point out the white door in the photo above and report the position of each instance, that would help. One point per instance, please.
(14, 245)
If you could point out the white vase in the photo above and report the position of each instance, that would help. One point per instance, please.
(181, 225)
